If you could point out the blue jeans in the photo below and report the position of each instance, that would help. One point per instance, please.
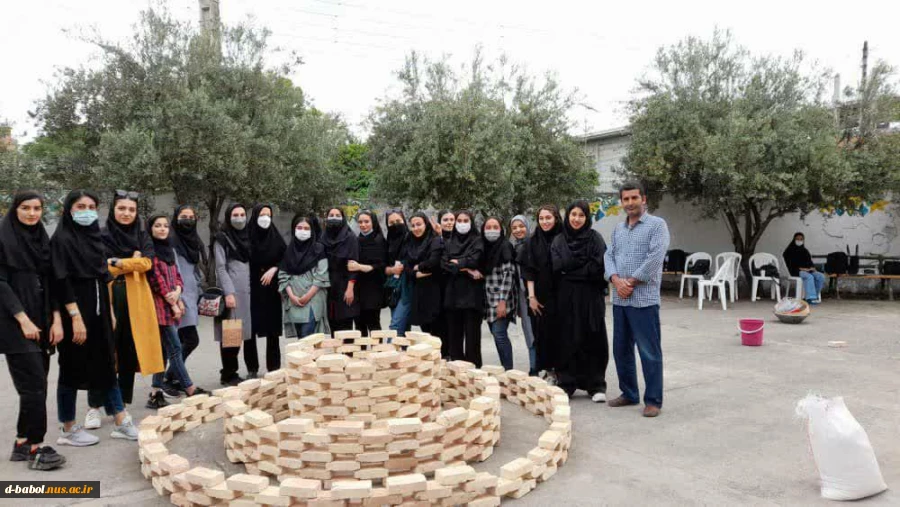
(499, 328)
(66, 398)
(172, 348)
(401, 313)
(813, 281)
(638, 326)
(525, 322)
(307, 328)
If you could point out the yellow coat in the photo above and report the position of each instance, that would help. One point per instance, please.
(142, 313)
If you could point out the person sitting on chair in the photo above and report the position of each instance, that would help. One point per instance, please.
(799, 263)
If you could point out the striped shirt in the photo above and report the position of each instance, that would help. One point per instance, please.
(164, 278)
(638, 252)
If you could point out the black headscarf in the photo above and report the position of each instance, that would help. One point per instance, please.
(235, 242)
(24, 247)
(418, 249)
(797, 257)
(78, 251)
(266, 245)
(162, 247)
(496, 253)
(121, 241)
(371, 247)
(537, 249)
(461, 245)
(337, 240)
(185, 239)
(397, 238)
(444, 234)
(578, 240)
(301, 256)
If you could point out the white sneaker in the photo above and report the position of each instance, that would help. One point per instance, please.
(599, 398)
(76, 437)
(93, 419)
(125, 431)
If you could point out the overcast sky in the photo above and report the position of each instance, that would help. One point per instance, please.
(352, 48)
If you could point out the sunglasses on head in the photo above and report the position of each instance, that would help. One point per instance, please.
(127, 194)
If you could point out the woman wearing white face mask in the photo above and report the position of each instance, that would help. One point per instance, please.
(266, 251)
(303, 282)
(464, 292)
(501, 282)
(799, 263)
(370, 271)
(232, 252)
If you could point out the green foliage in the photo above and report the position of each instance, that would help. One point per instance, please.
(200, 115)
(742, 137)
(495, 141)
(354, 166)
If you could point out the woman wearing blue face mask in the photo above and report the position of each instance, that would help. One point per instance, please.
(500, 287)
(303, 282)
(370, 272)
(86, 352)
(232, 252)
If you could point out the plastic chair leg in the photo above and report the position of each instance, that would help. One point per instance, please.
(681, 293)
(701, 295)
(754, 289)
(723, 296)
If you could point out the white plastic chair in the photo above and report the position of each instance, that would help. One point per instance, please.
(756, 261)
(689, 277)
(717, 281)
(798, 285)
(734, 274)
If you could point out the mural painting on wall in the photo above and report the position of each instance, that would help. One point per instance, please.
(605, 206)
(858, 207)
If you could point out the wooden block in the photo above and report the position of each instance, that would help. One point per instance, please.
(346, 448)
(550, 440)
(235, 407)
(561, 413)
(451, 476)
(399, 446)
(221, 492)
(246, 483)
(345, 427)
(195, 401)
(539, 455)
(350, 490)
(429, 467)
(373, 457)
(174, 464)
(289, 462)
(273, 496)
(316, 456)
(526, 488)
(436, 491)
(205, 477)
(151, 422)
(212, 417)
(404, 426)
(516, 468)
(507, 486)
(317, 436)
(342, 466)
(380, 392)
(453, 416)
(199, 497)
(291, 445)
(375, 436)
(371, 473)
(269, 433)
(258, 418)
(338, 361)
(406, 484)
(154, 452)
(301, 488)
(431, 430)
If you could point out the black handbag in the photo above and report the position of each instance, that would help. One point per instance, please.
(853, 261)
(699, 267)
(392, 291)
(768, 270)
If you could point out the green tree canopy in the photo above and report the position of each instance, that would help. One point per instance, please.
(742, 137)
(197, 114)
(493, 139)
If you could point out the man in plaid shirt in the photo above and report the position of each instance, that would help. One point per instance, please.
(634, 266)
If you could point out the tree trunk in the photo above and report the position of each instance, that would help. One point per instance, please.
(214, 204)
(745, 243)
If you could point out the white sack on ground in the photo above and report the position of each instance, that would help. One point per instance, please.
(845, 458)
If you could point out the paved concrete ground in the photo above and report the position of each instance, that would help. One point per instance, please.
(727, 434)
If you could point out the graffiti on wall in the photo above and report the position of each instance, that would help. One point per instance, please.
(858, 207)
(605, 206)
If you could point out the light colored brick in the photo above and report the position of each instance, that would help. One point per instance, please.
(516, 468)
(332, 361)
(205, 477)
(174, 464)
(375, 436)
(453, 416)
(404, 425)
(549, 440)
(221, 492)
(451, 476)
(406, 484)
(371, 473)
(258, 418)
(246, 483)
(345, 427)
(380, 392)
(342, 466)
(316, 456)
(301, 488)
(350, 490)
(373, 457)
(235, 407)
(273, 496)
(507, 486)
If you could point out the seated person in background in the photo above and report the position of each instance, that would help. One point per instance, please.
(799, 263)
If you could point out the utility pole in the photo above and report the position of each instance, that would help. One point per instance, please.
(862, 97)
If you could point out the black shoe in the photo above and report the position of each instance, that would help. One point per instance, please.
(46, 458)
(171, 392)
(252, 374)
(20, 452)
(231, 381)
(173, 385)
(200, 390)
(156, 401)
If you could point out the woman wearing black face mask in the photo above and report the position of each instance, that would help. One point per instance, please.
(341, 247)
(398, 286)
(30, 324)
(464, 295)
(191, 258)
(303, 282)
(266, 251)
(370, 272)
(232, 253)
(577, 256)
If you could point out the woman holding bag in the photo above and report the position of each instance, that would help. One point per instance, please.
(232, 253)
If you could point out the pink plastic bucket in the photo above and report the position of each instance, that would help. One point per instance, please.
(751, 332)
